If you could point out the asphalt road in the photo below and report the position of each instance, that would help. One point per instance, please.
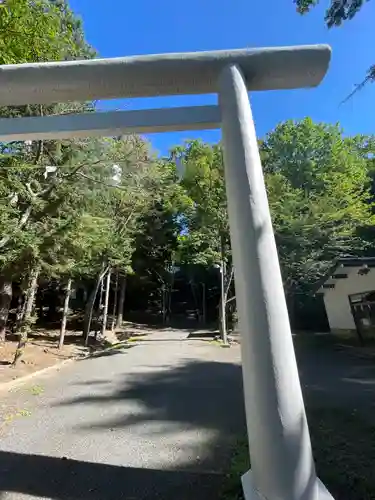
(156, 421)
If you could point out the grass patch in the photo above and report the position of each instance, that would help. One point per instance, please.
(219, 343)
(36, 390)
(118, 345)
(17, 413)
(215, 342)
(344, 452)
(240, 464)
(138, 337)
(23, 413)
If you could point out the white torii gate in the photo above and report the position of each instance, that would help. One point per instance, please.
(279, 440)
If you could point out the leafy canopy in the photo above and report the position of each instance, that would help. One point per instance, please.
(337, 12)
(319, 195)
(207, 220)
(40, 30)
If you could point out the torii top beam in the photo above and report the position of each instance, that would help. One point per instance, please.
(160, 75)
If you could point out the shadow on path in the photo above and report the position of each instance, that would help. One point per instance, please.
(203, 396)
(63, 479)
(198, 403)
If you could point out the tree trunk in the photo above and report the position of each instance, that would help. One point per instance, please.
(68, 292)
(195, 300)
(27, 318)
(90, 305)
(101, 294)
(106, 300)
(170, 295)
(163, 303)
(204, 305)
(223, 293)
(5, 299)
(20, 312)
(115, 304)
(30, 295)
(121, 303)
(223, 315)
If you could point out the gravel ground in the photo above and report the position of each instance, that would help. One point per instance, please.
(157, 420)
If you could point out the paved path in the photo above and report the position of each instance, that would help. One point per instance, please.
(156, 421)
(153, 422)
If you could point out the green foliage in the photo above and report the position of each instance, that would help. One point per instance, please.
(337, 12)
(120, 192)
(207, 220)
(37, 208)
(40, 30)
(73, 208)
(318, 189)
(160, 226)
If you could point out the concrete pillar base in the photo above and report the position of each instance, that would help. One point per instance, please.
(250, 492)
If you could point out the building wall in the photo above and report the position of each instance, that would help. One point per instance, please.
(336, 299)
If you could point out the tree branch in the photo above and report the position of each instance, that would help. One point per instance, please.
(357, 88)
(91, 164)
(230, 300)
(45, 191)
(127, 220)
(228, 283)
(22, 222)
(26, 215)
(39, 151)
(82, 165)
(101, 182)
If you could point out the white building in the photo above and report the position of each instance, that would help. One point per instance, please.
(349, 297)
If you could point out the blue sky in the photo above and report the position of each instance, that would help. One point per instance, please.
(121, 28)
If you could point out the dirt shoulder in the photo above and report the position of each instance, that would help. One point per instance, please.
(41, 352)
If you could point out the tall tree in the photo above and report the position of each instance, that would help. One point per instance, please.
(30, 31)
(318, 184)
(207, 240)
(121, 195)
(156, 242)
